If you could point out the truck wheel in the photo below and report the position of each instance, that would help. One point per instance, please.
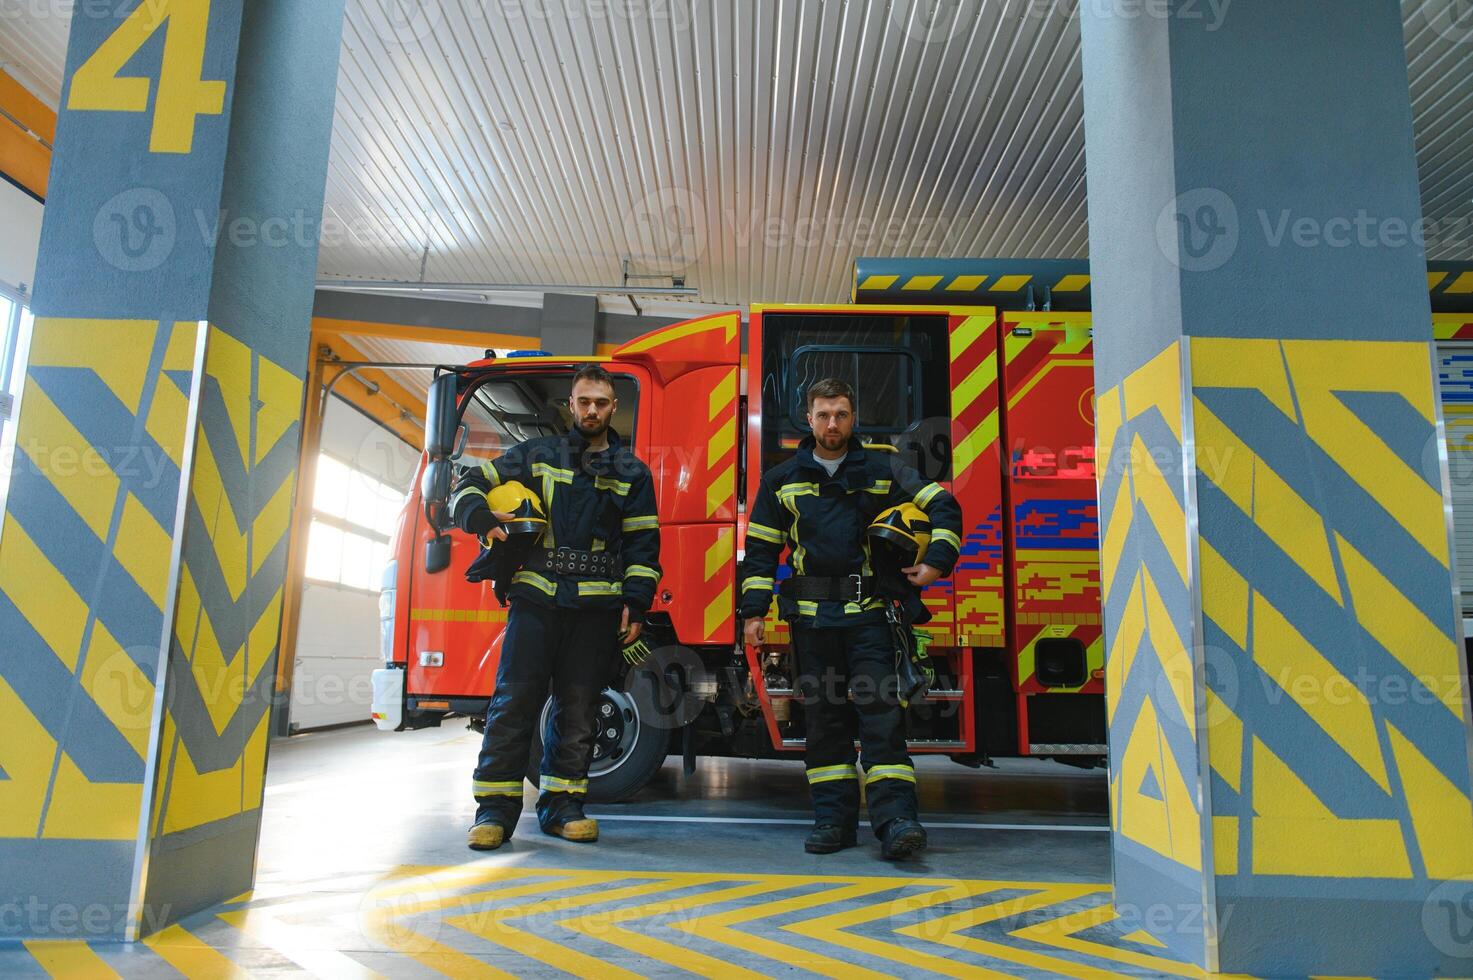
(626, 753)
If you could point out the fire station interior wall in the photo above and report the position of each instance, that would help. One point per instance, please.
(337, 638)
(20, 216)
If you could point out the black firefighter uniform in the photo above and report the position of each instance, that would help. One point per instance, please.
(562, 628)
(841, 645)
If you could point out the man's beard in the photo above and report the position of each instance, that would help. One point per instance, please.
(592, 429)
(832, 441)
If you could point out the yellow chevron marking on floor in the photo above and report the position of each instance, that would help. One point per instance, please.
(606, 926)
(492, 924)
(185, 952)
(402, 911)
(380, 925)
(945, 930)
(1060, 932)
(70, 960)
(298, 944)
(832, 928)
(717, 929)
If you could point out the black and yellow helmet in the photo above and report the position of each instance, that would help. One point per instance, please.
(903, 531)
(527, 515)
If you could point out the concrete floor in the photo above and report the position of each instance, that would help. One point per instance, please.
(363, 871)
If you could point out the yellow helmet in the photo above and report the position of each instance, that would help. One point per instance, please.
(903, 530)
(527, 515)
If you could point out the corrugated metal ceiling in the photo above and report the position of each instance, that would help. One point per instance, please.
(384, 349)
(755, 147)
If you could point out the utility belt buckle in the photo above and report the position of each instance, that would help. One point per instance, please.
(859, 595)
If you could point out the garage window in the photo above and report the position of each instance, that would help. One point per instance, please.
(353, 517)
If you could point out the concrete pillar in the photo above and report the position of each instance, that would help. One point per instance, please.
(143, 546)
(1289, 764)
(569, 323)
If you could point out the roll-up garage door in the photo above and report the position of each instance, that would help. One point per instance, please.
(1455, 378)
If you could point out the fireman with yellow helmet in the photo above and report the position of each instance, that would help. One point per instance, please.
(821, 504)
(572, 538)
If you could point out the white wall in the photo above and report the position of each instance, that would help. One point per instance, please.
(20, 216)
(337, 636)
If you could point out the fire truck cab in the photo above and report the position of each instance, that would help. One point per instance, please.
(995, 404)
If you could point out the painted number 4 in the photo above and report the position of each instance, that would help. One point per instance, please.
(182, 94)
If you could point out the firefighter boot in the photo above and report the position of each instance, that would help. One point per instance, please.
(900, 838)
(827, 838)
(568, 821)
(486, 834)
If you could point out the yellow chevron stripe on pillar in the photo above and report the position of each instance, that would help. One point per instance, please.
(259, 402)
(26, 749)
(1294, 833)
(1441, 813)
(1320, 369)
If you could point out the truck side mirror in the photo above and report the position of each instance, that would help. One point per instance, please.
(442, 421)
(434, 489)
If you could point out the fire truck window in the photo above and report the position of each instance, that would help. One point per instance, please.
(898, 365)
(886, 384)
(506, 410)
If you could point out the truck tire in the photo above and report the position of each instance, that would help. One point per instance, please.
(624, 761)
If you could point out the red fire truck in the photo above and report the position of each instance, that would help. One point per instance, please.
(989, 392)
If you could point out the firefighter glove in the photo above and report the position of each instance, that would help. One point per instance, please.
(481, 522)
(635, 653)
(920, 657)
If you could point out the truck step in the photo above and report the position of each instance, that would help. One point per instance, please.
(788, 694)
